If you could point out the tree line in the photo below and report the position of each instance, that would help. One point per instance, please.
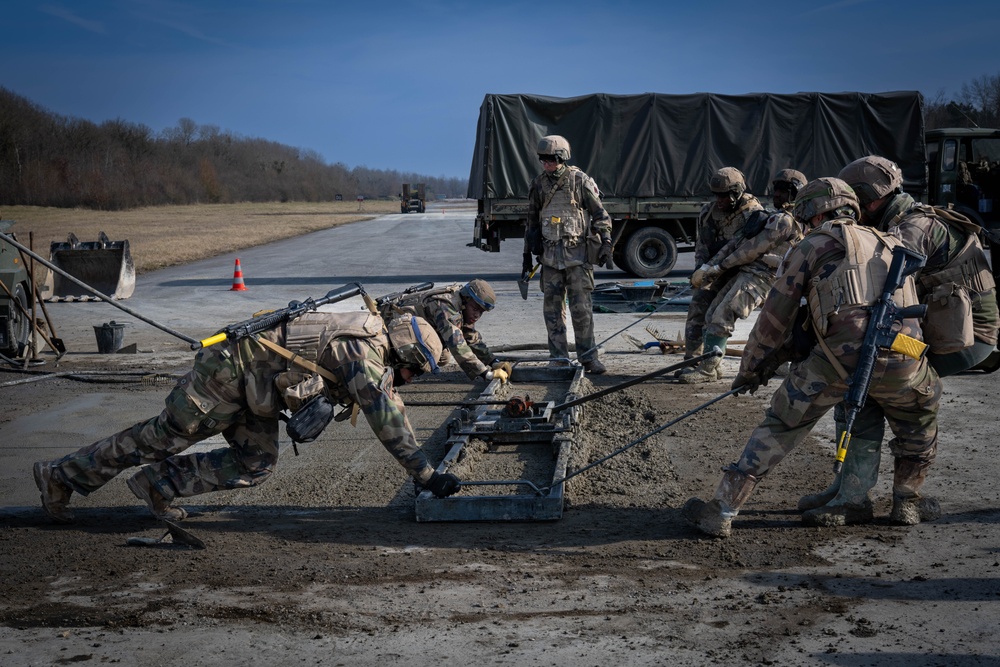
(51, 160)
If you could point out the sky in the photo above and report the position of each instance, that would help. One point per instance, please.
(397, 85)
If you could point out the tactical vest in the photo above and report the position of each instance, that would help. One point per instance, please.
(562, 217)
(308, 336)
(728, 225)
(969, 267)
(859, 279)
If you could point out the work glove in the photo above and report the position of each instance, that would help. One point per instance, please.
(526, 266)
(705, 274)
(746, 383)
(504, 366)
(501, 374)
(443, 484)
(604, 255)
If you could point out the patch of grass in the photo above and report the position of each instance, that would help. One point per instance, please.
(162, 236)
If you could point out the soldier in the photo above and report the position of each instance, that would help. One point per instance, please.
(734, 271)
(239, 389)
(839, 268)
(453, 312)
(569, 230)
(960, 326)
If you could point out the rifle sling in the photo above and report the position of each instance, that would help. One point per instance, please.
(309, 365)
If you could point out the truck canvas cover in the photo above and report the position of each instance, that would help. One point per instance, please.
(655, 145)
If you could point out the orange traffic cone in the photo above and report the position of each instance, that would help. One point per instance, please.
(238, 285)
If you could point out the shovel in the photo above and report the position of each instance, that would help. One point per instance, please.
(178, 536)
(522, 282)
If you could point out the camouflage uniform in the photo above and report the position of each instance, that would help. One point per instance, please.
(564, 209)
(907, 390)
(238, 390)
(443, 309)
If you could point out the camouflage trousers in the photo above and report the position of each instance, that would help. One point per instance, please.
(907, 391)
(207, 401)
(714, 309)
(576, 282)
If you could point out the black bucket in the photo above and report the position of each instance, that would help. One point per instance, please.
(110, 337)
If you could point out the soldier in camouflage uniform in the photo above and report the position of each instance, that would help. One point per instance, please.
(960, 328)
(734, 271)
(238, 389)
(570, 231)
(839, 268)
(453, 312)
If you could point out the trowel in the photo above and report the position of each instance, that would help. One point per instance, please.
(178, 536)
(522, 282)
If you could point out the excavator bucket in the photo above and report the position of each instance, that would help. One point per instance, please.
(103, 264)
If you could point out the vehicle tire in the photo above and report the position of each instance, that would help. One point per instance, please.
(18, 326)
(649, 253)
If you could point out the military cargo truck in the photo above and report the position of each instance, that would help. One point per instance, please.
(413, 198)
(15, 298)
(652, 155)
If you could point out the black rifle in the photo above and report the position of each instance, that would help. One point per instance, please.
(882, 332)
(271, 319)
(392, 299)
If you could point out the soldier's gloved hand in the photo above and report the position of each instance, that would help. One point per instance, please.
(502, 375)
(526, 266)
(504, 366)
(744, 383)
(698, 277)
(604, 255)
(443, 484)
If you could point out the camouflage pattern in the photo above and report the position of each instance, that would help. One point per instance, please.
(578, 283)
(907, 390)
(443, 309)
(565, 269)
(232, 390)
(717, 227)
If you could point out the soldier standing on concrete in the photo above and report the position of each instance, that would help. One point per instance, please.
(733, 275)
(238, 389)
(453, 312)
(569, 230)
(839, 268)
(960, 328)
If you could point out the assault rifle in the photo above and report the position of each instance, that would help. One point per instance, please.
(270, 319)
(882, 332)
(389, 300)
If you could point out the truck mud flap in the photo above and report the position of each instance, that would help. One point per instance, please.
(509, 464)
(104, 265)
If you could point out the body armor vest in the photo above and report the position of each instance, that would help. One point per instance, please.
(561, 215)
(860, 278)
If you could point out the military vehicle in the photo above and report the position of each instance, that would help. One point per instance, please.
(413, 198)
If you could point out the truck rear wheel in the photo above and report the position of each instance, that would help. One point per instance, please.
(650, 253)
(18, 326)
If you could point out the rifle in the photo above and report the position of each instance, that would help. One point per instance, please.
(389, 300)
(885, 315)
(270, 319)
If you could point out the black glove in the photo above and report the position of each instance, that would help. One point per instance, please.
(746, 383)
(604, 255)
(443, 485)
(526, 266)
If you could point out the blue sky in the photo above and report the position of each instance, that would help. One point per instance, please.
(398, 84)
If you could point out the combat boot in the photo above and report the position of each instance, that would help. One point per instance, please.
(144, 490)
(55, 492)
(708, 370)
(692, 348)
(908, 507)
(715, 517)
(851, 503)
(594, 367)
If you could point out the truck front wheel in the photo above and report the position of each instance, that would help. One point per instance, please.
(650, 253)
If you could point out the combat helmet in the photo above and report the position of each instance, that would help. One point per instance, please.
(792, 179)
(480, 291)
(417, 345)
(553, 144)
(728, 180)
(872, 177)
(823, 195)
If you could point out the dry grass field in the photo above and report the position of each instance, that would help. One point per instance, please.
(162, 236)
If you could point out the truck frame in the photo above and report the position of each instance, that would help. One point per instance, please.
(652, 155)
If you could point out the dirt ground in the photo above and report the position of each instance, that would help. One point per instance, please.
(325, 564)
